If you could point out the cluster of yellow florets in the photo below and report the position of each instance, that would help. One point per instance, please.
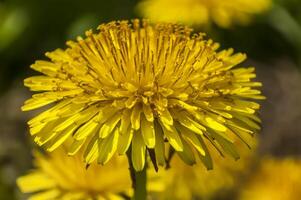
(58, 177)
(141, 85)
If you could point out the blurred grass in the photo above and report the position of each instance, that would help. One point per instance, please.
(30, 28)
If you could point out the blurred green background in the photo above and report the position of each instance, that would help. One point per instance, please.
(30, 28)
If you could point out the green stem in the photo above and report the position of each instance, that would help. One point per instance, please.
(140, 186)
(138, 180)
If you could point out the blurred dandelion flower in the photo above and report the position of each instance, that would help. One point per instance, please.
(200, 12)
(184, 182)
(141, 85)
(277, 179)
(57, 176)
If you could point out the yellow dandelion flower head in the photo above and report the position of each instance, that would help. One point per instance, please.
(57, 176)
(140, 85)
(200, 12)
(276, 178)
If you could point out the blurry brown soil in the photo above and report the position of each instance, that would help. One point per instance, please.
(281, 111)
(15, 152)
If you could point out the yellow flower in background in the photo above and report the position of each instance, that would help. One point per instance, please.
(200, 12)
(184, 182)
(276, 179)
(140, 85)
(60, 177)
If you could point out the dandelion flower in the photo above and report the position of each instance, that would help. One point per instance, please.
(184, 182)
(277, 179)
(140, 85)
(57, 177)
(200, 12)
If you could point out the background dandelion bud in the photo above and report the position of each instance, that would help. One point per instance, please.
(138, 85)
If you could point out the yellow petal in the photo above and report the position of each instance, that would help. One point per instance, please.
(107, 147)
(227, 146)
(34, 103)
(46, 67)
(246, 137)
(138, 152)
(148, 132)
(238, 126)
(184, 105)
(206, 159)
(60, 138)
(130, 87)
(135, 117)
(87, 129)
(189, 123)
(91, 151)
(107, 112)
(45, 137)
(109, 126)
(159, 146)
(111, 196)
(125, 121)
(46, 133)
(125, 141)
(250, 104)
(34, 182)
(210, 122)
(148, 112)
(77, 119)
(173, 137)
(48, 112)
(76, 146)
(187, 154)
(48, 194)
(214, 124)
(70, 109)
(248, 121)
(166, 117)
(130, 103)
(192, 138)
(37, 128)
